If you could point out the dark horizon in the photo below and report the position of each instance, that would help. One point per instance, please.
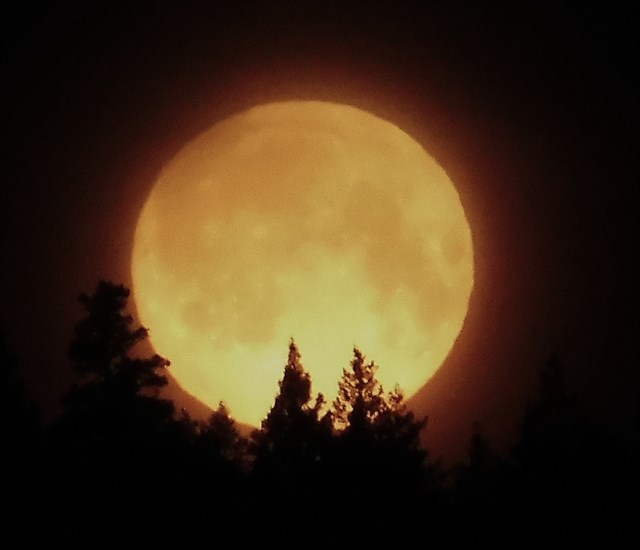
(355, 470)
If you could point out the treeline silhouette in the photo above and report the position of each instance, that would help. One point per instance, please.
(121, 467)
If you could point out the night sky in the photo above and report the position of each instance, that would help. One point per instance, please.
(529, 107)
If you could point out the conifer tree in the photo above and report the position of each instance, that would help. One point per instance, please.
(376, 430)
(377, 455)
(288, 442)
(110, 451)
(117, 389)
(362, 407)
(221, 438)
(361, 398)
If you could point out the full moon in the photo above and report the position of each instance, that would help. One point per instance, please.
(302, 219)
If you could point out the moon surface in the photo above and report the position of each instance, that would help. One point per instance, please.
(302, 219)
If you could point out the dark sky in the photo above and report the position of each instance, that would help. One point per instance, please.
(530, 108)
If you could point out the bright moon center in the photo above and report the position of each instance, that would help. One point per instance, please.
(301, 219)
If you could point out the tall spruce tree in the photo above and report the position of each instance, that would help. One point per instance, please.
(118, 390)
(377, 459)
(376, 430)
(289, 441)
(292, 420)
(110, 451)
(360, 399)
(363, 409)
(290, 459)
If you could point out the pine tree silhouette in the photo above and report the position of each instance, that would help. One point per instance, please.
(288, 444)
(111, 448)
(377, 457)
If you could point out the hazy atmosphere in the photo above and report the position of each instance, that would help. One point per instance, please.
(288, 192)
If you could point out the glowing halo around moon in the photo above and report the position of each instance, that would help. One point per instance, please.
(301, 219)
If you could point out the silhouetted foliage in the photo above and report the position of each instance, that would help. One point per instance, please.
(478, 495)
(561, 485)
(478, 477)
(112, 447)
(101, 352)
(563, 477)
(220, 438)
(377, 453)
(552, 427)
(364, 414)
(360, 397)
(119, 460)
(289, 445)
(288, 458)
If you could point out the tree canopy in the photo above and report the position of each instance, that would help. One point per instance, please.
(355, 472)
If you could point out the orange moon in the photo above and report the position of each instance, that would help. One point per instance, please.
(301, 219)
